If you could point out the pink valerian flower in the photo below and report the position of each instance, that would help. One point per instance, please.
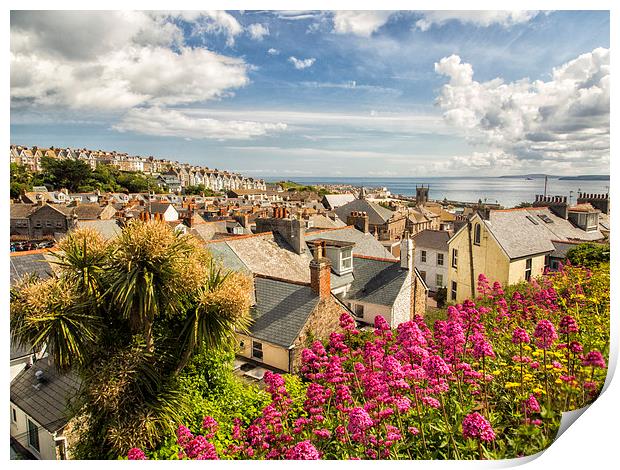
(590, 386)
(184, 435)
(198, 448)
(476, 426)
(322, 433)
(568, 325)
(534, 364)
(413, 430)
(136, 454)
(431, 402)
(545, 334)
(575, 347)
(532, 404)
(303, 450)
(381, 323)
(435, 367)
(594, 359)
(347, 322)
(210, 426)
(359, 421)
(482, 348)
(519, 336)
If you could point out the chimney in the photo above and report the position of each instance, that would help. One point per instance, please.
(557, 204)
(406, 252)
(320, 272)
(359, 220)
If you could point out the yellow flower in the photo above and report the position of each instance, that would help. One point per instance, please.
(512, 384)
(538, 390)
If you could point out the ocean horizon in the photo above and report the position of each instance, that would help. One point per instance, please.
(508, 192)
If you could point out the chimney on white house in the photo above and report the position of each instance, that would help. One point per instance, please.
(406, 252)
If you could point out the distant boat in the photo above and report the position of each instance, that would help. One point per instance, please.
(528, 178)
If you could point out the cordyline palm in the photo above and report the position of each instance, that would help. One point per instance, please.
(128, 316)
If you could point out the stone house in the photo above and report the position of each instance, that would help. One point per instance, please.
(510, 246)
(289, 315)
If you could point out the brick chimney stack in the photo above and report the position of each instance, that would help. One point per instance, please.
(359, 220)
(320, 271)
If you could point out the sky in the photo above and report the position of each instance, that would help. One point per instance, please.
(320, 93)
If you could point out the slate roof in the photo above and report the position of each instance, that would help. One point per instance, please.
(22, 210)
(109, 229)
(270, 255)
(321, 221)
(158, 207)
(46, 402)
(518, 235)
(521, 232)
(23, 265)
(365, 243)
(281, 311)
(88, 211)
(225, 255)
(377, 215)
(377, 282)
(561, 249)
(433, 239)
(331, 201)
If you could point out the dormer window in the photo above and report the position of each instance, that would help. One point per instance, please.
(346, 259)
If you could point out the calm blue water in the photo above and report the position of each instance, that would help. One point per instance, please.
(508, 192)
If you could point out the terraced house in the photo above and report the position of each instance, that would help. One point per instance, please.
(515, 245)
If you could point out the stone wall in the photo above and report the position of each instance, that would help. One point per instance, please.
(324, 320)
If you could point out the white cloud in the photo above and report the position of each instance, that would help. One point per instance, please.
(258, 31)
(173, 123)
(476, 17)
(301, 64)
(272, 51)
(558, 122)
(360, 23)
(112, 60)
(213, 21)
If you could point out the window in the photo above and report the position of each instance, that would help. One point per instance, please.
(423, 256)
(14, 414)
(346, 258)
(453, 292)
(48, 223)
(37, 223)
(439, 259)
(257, 350)
(477, 234)
(359, 311)
(439, 280)
(33, 436)
(455, 257)
(528, 269)
(59, 223)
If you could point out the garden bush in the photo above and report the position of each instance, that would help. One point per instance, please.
(488, 382)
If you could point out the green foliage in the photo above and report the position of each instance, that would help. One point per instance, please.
(199, 189)
(523, 204)
(117, 315)
(68, 174)
(589, 255)
(291, 186)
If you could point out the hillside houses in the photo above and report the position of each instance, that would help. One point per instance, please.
(171, 174)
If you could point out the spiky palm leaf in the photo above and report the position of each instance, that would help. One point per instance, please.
(221, 310)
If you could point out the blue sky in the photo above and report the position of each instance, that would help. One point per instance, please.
(320, 93)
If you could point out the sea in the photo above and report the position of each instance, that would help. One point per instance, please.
(508, 192)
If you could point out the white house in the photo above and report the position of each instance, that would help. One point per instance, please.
(39, 412)
(431, 257)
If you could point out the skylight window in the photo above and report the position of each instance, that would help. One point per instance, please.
(532, 219)
(545, 218)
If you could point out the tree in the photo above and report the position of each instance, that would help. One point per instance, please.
(127, 316)
(589, 255)
(198, 189)
(68, 174)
